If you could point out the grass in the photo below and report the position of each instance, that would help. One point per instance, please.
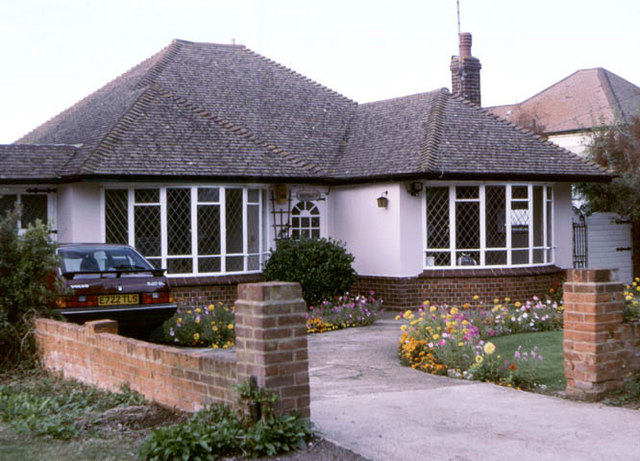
(551, 369)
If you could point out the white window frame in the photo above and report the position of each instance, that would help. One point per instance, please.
(262, 253)
(547, 248)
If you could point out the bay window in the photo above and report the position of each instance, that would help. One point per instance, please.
(190, 229)
(492, 225)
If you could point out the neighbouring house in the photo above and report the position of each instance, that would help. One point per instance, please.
(204, 155)
(567, 113)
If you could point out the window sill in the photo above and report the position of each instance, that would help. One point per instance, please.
(490, 272)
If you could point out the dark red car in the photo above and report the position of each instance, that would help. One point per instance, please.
(115, 282)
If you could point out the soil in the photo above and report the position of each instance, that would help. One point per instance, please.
(135, 419)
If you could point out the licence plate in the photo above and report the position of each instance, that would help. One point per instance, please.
(113, 300)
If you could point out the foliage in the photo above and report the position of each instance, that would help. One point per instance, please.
(48, 405)
(631, 306)
(28, 287)
(452, 341)
(616, 148)
(627, 395)
(345, 311)
(211, 326)
(218, 432)
(321, 266)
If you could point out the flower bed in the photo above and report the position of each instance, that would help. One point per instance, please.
(344, 312)
(454, 341)
(631, 309)
(211, 326)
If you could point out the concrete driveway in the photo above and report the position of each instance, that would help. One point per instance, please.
(362, 399)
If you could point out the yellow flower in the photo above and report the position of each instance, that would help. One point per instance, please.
(489, 348)
(479, 359)
(436, 336)
(179, 319)
(398, 317)
(454, 310)
(196, 336)
(407, 313)
(506, 300)
(198, 310)
(197, 320)
(460, 344)
(496, 301)
(214, 328)
(189, 312)
(230, 326)
(476, 297)
(403, 328)
(210, 307)
(432, 308)
(518, 304)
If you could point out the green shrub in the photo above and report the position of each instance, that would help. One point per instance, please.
(218, 432)
(211, 326)
(322, 267)
(28, 287)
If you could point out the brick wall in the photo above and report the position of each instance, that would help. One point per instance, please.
(270, 319)
(202, 291)
(455, 287)
(600, 352)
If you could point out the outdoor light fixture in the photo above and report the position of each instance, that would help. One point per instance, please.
(280, 193)
(383, 201)
(414, 188)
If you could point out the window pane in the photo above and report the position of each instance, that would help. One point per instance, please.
(7, 203)
(116, 216)
(208, 265)
(209, 230)
(467, 258)
(147, 230)
(180, 265)
(496, 232)
(254, 195)
(495, 258)
(520, 192)
(147, 195)
(538, 256)
(179, 221)
(519, 225)
(520, 257)
(549, 221)
(253, 228)
(208, 194)
(538, 218)
(467, 192)
(234, 221)
(33, 207)
(235, 263)
(438, 217)
(467, 225)
(437, 258)
(253, 263)
(155, 262)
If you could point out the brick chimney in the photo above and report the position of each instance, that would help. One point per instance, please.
(465, 72)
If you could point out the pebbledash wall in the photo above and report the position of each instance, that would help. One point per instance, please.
(600, 351)
(271, 344)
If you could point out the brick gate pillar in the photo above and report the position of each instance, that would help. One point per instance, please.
(594, 355)
(271, 342)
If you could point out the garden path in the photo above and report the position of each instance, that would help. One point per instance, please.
(362, 399)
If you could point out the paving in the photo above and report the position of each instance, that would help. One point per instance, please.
(364, 400)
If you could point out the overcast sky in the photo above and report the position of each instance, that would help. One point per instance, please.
(55, 52)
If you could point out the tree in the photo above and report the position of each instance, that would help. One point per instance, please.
(28, 287)
(616, 148)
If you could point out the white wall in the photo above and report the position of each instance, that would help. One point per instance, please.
(79, 213)
(384, 241)
(563, 227)
(576, 143)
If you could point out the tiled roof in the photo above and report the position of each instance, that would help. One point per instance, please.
(437, 135)
(34, 162)
(222, 111)
(585, 99)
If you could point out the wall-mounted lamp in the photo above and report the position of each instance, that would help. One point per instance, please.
(280, 193)
(383, 201)
(414, 188)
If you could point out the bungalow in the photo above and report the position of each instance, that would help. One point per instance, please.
(204, 155)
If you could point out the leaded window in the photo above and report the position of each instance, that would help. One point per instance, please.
(33, 206)
(189, 229)
(488, 225)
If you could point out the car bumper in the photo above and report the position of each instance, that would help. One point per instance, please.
(137, 316)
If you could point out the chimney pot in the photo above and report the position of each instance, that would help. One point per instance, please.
(465, 44)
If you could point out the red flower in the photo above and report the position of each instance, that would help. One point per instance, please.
(513, 367)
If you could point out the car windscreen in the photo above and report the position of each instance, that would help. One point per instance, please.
(100, 259)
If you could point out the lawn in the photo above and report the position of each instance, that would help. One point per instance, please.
(551, 369)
